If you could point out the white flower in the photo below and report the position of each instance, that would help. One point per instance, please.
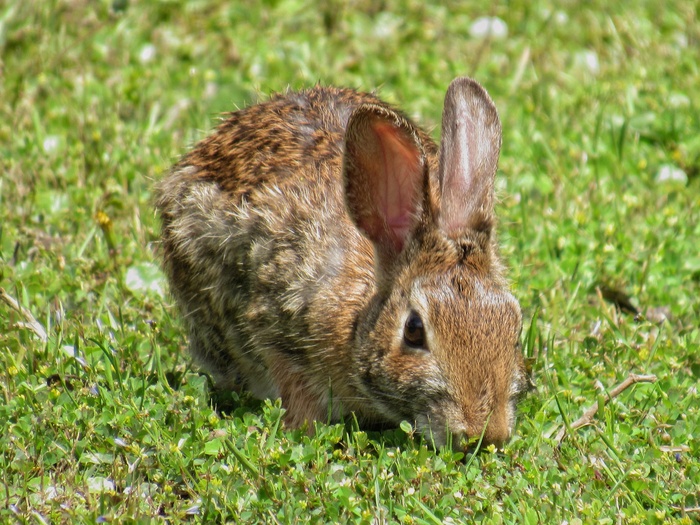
(670, 173)
(488, 26)
(147, 54)
(50, 144)
(589, 60)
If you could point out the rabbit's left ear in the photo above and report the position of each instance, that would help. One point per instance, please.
(383, 170)
(469, 149)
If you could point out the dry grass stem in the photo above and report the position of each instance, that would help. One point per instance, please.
(589, 414)
(30, 321)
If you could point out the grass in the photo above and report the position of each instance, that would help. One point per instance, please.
(106, 420)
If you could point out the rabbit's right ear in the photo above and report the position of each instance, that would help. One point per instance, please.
(469, 149)
(384, 170)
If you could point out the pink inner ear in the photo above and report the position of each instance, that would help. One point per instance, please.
(399, 182)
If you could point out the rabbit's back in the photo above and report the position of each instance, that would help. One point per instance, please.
(279, 141)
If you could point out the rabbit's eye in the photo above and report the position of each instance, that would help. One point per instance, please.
(413, 332)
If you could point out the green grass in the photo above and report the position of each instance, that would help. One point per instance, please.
(107, 421)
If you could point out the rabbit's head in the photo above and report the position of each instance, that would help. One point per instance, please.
(439, 343)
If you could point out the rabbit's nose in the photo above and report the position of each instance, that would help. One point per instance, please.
(468, 443)
(496, 432)
(496, 436)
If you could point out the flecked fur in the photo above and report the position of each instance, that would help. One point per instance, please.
(300, 235)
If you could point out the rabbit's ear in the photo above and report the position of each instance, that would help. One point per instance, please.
(469, 148)
(383, 170)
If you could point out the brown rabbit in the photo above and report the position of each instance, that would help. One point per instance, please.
(322, 250)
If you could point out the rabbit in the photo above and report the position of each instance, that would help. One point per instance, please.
(323, 250)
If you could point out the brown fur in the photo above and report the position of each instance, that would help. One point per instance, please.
(299, 236)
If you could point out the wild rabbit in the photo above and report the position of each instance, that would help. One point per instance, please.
(321, 249)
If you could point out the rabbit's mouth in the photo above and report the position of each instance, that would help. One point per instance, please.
(449, 428)
(434, 433)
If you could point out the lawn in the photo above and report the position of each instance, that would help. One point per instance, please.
(103, 417)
